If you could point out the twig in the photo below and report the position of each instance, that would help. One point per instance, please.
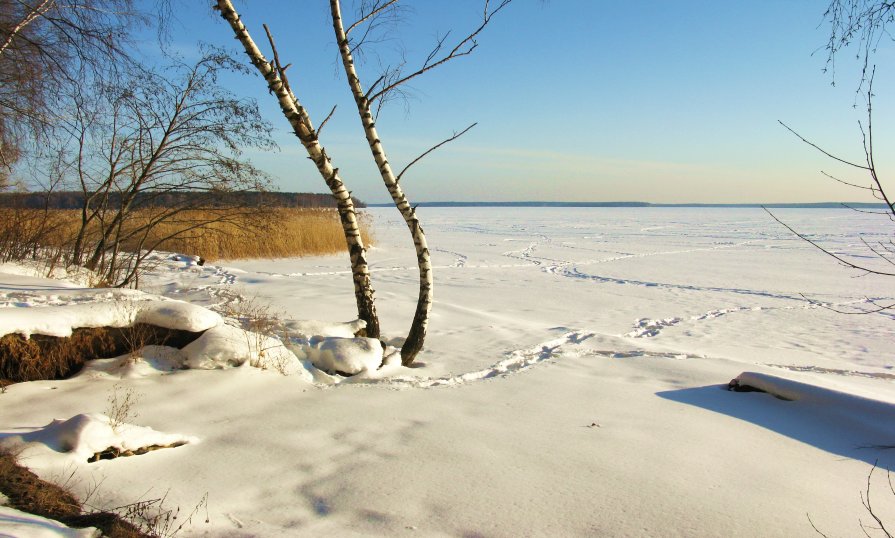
(326, 119)
(825, 251)
(365, 17)
(820, 149)
(433, 148)
(463, 48)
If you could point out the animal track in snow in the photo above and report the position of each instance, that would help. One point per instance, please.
(461, 258)
(524, 254)
(516, 361)
(225, 278)
(647, 328)
(711, 314)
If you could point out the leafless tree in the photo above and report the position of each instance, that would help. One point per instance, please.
(274, 73)
(151, 137)
(882, 251)
(48, 47)
(863, 24)
(351, 40)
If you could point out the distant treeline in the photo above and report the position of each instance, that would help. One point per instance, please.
(811, 205)
(75, 200)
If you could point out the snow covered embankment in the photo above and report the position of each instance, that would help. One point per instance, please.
(31, 305)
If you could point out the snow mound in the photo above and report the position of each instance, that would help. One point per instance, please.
(310, 328)
(173, 314)
(226, 346)
(73, 278)
(17, 523)
(149, 361)
(85, 435)
(118, 308)
(796, 391)
(345, 355)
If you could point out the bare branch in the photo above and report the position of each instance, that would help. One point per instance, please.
(455, 136)
(813, 526)
(373, 86)
(463, 48)
(878, 253)
(825, 251)
(326, 119)
(865, 500)
(834, 178)
(34, 13)
(820, 149)
(281, 71)
(367, 16)
(877, 307)
(859, 210)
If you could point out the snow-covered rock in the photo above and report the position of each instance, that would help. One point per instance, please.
(116, 308)
(346, 355)
(86, 434)
(226, 346)
(149, 361)
(310, 328)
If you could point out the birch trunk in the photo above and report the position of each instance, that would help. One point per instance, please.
(304, 130)
(414, 342)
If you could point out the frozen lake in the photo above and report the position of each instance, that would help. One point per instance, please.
(725, 283)
(572, 385)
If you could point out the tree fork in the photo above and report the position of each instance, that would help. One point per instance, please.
(417, 334)
(301, 124)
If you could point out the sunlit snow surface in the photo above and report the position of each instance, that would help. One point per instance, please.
(571, 384)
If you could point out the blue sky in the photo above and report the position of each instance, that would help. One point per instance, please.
(580, 100)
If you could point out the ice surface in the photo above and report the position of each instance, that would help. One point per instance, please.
(572, 383)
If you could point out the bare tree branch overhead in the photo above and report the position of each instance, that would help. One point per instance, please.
(881, 252)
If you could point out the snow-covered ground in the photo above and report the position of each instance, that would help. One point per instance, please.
(572, 384)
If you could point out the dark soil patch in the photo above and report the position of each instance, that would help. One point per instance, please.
(50, 357)
(28, 493)
(114, 452)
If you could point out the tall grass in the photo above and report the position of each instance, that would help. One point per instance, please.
(275, 233)
(282, 233)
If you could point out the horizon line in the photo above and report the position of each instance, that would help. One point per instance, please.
(782, 205)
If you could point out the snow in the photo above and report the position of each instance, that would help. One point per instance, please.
(15, 523)
(573, 383)
(346, 355)
(58, 313)
(80, 437)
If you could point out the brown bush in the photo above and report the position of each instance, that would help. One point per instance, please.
(28, 493)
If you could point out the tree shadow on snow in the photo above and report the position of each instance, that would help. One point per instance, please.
(836, 422)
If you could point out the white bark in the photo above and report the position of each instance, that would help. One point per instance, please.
(28, 19)
(304, 130)
(415, 338)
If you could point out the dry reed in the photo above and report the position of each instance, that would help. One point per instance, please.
(280, 233)
(275, 233)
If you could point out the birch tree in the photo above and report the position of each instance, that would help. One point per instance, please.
(274, 73)
(379, 92)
